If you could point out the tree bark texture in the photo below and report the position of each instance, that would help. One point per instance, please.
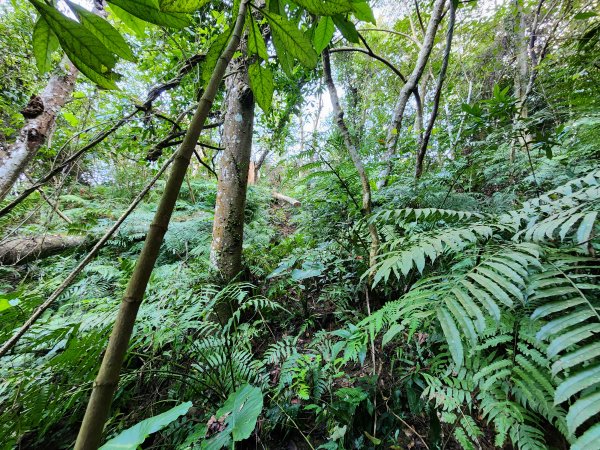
(90, 433)
(354, 155)
(228, 227)
(407, 89)
(40, 116)
(21, 249)
(424, 142)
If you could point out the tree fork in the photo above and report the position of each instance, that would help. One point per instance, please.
(438, 93)
(90, 433)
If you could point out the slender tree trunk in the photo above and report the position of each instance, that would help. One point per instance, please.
(228, 227)
(521, 78)
(407, 89)
(40, 116)
(438, 93)
(351, 147)
(90, 433)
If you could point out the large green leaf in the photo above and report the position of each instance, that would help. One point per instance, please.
(293, 41)
(132, 437)
(138, 26)
(347, 28)
(362, 11)
(149, 11)
(77, 40)
(104, 31)
(184, 6)
(261, 82)
(239, 414)
(256, 42)
(323, 34)
(326, 7)
(105, 81)
(45, 43)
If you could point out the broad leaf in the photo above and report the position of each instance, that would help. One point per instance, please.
(45, 43)
(104, 31)
(256, 42)
(77, 40)
(239, 413)
(149, 11)
(347, 28)
(323, 34)
(184, 6)
(138, 26)
(293, 40)
(261, 82)
(132, 437)
(326, 7)
(362, 11)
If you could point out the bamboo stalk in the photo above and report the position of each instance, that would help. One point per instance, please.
(90, 433)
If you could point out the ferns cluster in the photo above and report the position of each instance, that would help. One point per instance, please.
(516, 299)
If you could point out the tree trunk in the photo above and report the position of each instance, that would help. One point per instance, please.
(228, 227)
(521, 79)
(407, 89)
(354, 155)
(40, 114)
(424, 142)
(21, 249)
(90, 433)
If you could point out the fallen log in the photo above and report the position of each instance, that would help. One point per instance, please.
(21, 249)
(284, 198)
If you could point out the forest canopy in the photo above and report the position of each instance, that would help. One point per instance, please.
(299, 224)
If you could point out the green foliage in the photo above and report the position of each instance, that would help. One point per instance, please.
(133, 437)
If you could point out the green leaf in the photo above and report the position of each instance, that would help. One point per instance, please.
(292, 41)
(582, 410)
(452, 335)
(261, 82)
(240, 412)
(45, 43)
(104, 31)
(70, 117)
(577, 357)
(77, 40)
(347, 28)
(326, 7)
(575, 336)
(576, 383)
(213, 55)
(149, 11)
(590, 440)
(107, 81)
(585, 228)
(132, 437)
(362, 11)
(136, 25)
(323, 34)
(183, 6)
(256, 42)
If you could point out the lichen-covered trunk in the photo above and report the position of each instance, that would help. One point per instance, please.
(40, 116)
(228, 228)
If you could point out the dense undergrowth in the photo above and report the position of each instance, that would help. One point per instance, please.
(478, 329)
